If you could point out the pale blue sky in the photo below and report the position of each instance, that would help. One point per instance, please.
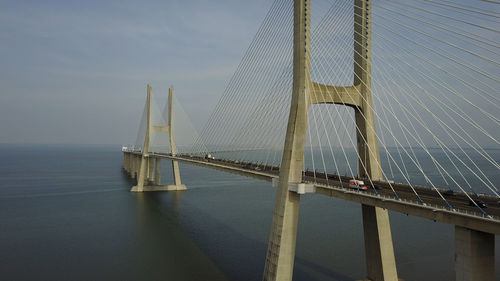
(76, 71)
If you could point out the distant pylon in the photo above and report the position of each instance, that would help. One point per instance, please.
(148, 166)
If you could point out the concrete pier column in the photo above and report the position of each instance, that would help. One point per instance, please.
(137, 165)
(133, 166)
(127, 163)
(141, 178)
(158, 171)
(125, 158)
(134, 172)
(380, 261)
(474, 255)
(151, 170)
(176, 172)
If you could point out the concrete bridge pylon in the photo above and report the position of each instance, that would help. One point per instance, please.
(380, 260)
(149, 166)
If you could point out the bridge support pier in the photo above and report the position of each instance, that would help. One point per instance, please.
(474, 255)
(281, 247)
(176, 172)
(142, 174)
(379, 251)
(151, 170)
(137, 166)
(158, 171)
(133, 168)
(129, 163)
(125, 162)
(138, 161)
(155, 185)
(150, 183)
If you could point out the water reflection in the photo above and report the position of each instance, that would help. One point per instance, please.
(166, 251)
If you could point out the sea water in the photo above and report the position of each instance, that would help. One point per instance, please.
(66, 213)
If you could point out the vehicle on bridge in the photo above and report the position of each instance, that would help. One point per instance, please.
(449, 192)
(357, 184)
(478, 202)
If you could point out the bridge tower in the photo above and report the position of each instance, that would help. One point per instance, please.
(380, 261)
(147, 171)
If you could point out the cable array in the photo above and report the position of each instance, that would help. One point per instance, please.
(434, 76)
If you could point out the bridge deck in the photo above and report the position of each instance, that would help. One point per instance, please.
(435, 208)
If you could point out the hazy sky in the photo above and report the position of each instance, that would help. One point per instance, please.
(76, 71)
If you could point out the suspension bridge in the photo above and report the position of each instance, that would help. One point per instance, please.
(390, 104)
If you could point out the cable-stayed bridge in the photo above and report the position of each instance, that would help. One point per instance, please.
(391, 104)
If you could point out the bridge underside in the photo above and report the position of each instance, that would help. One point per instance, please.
(407, 205)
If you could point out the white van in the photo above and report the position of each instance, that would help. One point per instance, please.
(357, 183)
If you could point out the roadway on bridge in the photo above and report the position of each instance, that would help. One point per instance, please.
(429, 196)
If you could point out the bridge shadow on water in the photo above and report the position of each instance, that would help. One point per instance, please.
(214, 243)
(165, 251)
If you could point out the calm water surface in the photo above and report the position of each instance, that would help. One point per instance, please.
(66, 213)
